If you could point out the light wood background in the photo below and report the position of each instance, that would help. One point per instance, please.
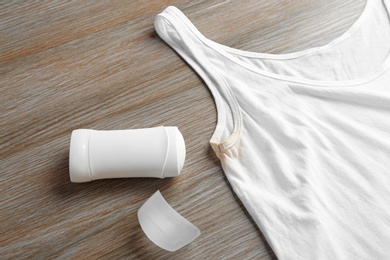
(100, 65)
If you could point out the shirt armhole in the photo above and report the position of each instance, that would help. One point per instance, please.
(228, 112)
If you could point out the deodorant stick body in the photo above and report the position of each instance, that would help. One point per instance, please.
(149, 152)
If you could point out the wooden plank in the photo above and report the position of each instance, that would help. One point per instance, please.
(82, 64)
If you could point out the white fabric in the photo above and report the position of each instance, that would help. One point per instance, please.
(304, 138)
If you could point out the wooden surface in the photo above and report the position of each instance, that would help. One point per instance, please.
(100, 65)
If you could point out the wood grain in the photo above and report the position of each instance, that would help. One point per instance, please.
(100, 65)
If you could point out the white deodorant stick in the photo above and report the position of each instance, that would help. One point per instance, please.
(157, 152)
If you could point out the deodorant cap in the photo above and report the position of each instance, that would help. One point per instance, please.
(176, 153)
(157, 152)
(164, 226)
(79, 170)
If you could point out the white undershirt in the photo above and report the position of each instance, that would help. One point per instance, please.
(304, 138)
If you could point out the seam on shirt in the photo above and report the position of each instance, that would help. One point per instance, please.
(229, 142)
(222, 49)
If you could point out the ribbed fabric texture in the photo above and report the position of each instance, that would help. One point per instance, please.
(304, 138)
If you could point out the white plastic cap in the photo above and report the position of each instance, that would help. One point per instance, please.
(176, 152)
(164, 226)
(79, 170)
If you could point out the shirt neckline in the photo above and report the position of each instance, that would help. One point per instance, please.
(226, 52)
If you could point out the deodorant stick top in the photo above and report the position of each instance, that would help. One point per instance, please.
(157, 152)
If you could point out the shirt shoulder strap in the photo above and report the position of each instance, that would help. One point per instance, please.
(178, 31)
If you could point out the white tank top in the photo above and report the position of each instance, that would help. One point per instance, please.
(304, 138)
